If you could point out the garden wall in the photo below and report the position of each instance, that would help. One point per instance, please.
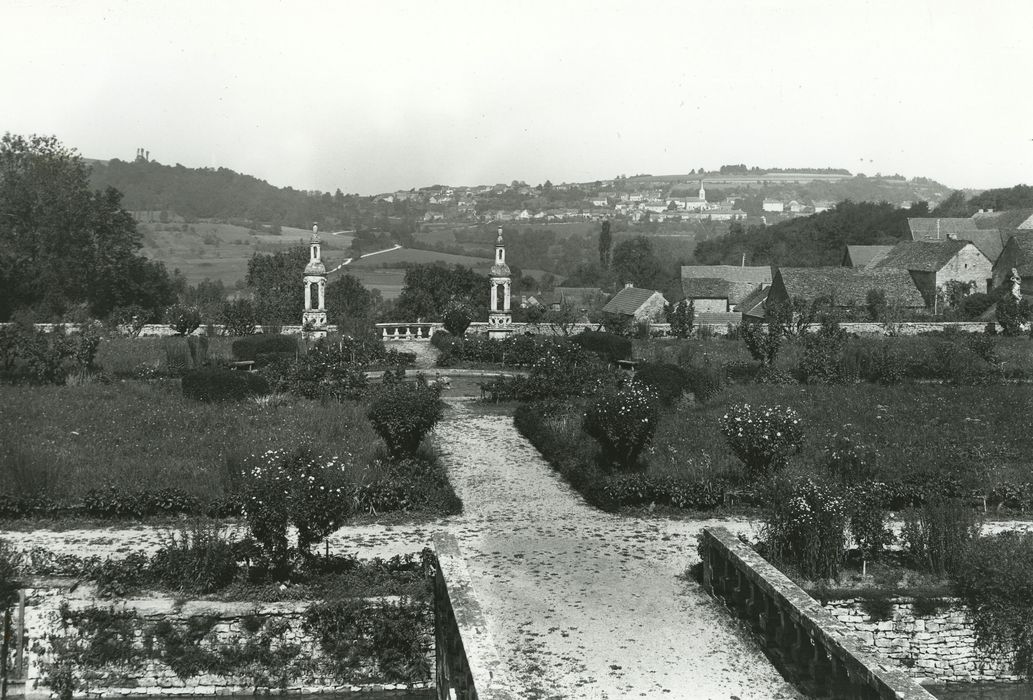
(935, 648)
(161, 647)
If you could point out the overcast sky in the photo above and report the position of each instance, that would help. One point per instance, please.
(371, 97)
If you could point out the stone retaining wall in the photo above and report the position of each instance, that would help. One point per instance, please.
(233, 625)
(936, 648)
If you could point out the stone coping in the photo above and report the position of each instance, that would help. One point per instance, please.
(838, 639)
(486, 668)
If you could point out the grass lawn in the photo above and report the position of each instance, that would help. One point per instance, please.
(983, 433)
(147, 436)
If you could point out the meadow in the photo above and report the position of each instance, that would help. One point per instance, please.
(66, 440)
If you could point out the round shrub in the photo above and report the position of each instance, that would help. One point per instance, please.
(668, 381)
(218, 384)
(762, 437)
(296, 487)
(705, 382)
(403, 414)
(623, 421)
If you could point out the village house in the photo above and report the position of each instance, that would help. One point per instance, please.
(864, 255)
(640, 304)
(773, 205)
(721, 288)
(932, 265)
(845, 287)
(1017, 255)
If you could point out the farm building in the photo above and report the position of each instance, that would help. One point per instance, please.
(642, 304)
(845, 286)
(721, 288)
(933, 265)
(1017, 254)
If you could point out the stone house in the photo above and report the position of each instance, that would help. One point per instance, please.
(640, 304)
(932, 265)
(1017, 254)
(721, 288)
(846, 287)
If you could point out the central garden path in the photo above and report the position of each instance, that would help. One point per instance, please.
(583, 604)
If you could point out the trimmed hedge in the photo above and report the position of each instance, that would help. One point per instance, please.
(216, 384)
(611, 347)
(251, 346)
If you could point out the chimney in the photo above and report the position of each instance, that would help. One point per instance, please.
(628, 285)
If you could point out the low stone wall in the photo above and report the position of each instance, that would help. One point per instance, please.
(468, 665)
(934, 648)
(260, 647)
(823, 655)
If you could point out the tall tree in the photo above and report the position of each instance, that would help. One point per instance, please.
(350, 306)
(428, 289)
(633, 261)
(276, 281)
(605, 242)
(63, 244)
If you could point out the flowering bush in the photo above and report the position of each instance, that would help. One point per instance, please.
(623, 421)
(805, 527)
(403, 414)
(283, 487)
(763, 437)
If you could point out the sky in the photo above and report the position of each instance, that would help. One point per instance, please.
(379, 96)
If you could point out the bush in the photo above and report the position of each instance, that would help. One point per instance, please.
(849, 461)
(35, 356)
(682, 317)
(412, 483)
(623, 421)
(668, 381)
(250, 347)
(217, 384)
(974, 305)
(706, 381)
(239, 317)
(805, 527)
(764, 437)
(200, 561)
(296, 487)
(868, 519)
(184, 320)
(403, 414)
(762, 343)
(116, 503)
(820, 363)
(994, 578)
(875, 304)
(8, 578)
(607, 345)
(457, 317)
(936, 535)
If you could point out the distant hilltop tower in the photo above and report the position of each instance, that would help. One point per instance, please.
(314, 316)
(499, 316)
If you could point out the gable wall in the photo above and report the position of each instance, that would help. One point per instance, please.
(652, 309)
(707, 306)
(969, 265)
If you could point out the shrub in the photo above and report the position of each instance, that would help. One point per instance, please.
(623, 421)
(128, 320)
(200, 560)
(457, 317)
(849, 461)
(1013, 313)
(403, 414)
(705, 381)
(994, 578)
(607, 345)
(250, 347)
(868, 520)
(412, 483)
(218, 384)
(239, 317)
(875, 304)
(936, 535)
(668, 381)
(682, 317)
(974, 305)
(8, 578)
(805, 527)
(764, 437)
(184, 320)
(762, 343)
(821, 354)
(296, 487)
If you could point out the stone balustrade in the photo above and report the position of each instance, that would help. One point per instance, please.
(407, 331)
(467, 663)
(823, 655)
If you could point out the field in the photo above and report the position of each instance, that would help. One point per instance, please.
(146, 436)
(219, 251)
(404, 256)
(388, 281)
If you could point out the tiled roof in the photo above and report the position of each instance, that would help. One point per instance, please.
(1027, 224)
(939, 229)
(731, 282)
(1023, 241)
(865, 255)
(753, 305)
(922, 256)
(850, 285)
(989, 241)
(628, 300)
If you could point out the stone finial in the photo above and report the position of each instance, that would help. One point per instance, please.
(1015, 280)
